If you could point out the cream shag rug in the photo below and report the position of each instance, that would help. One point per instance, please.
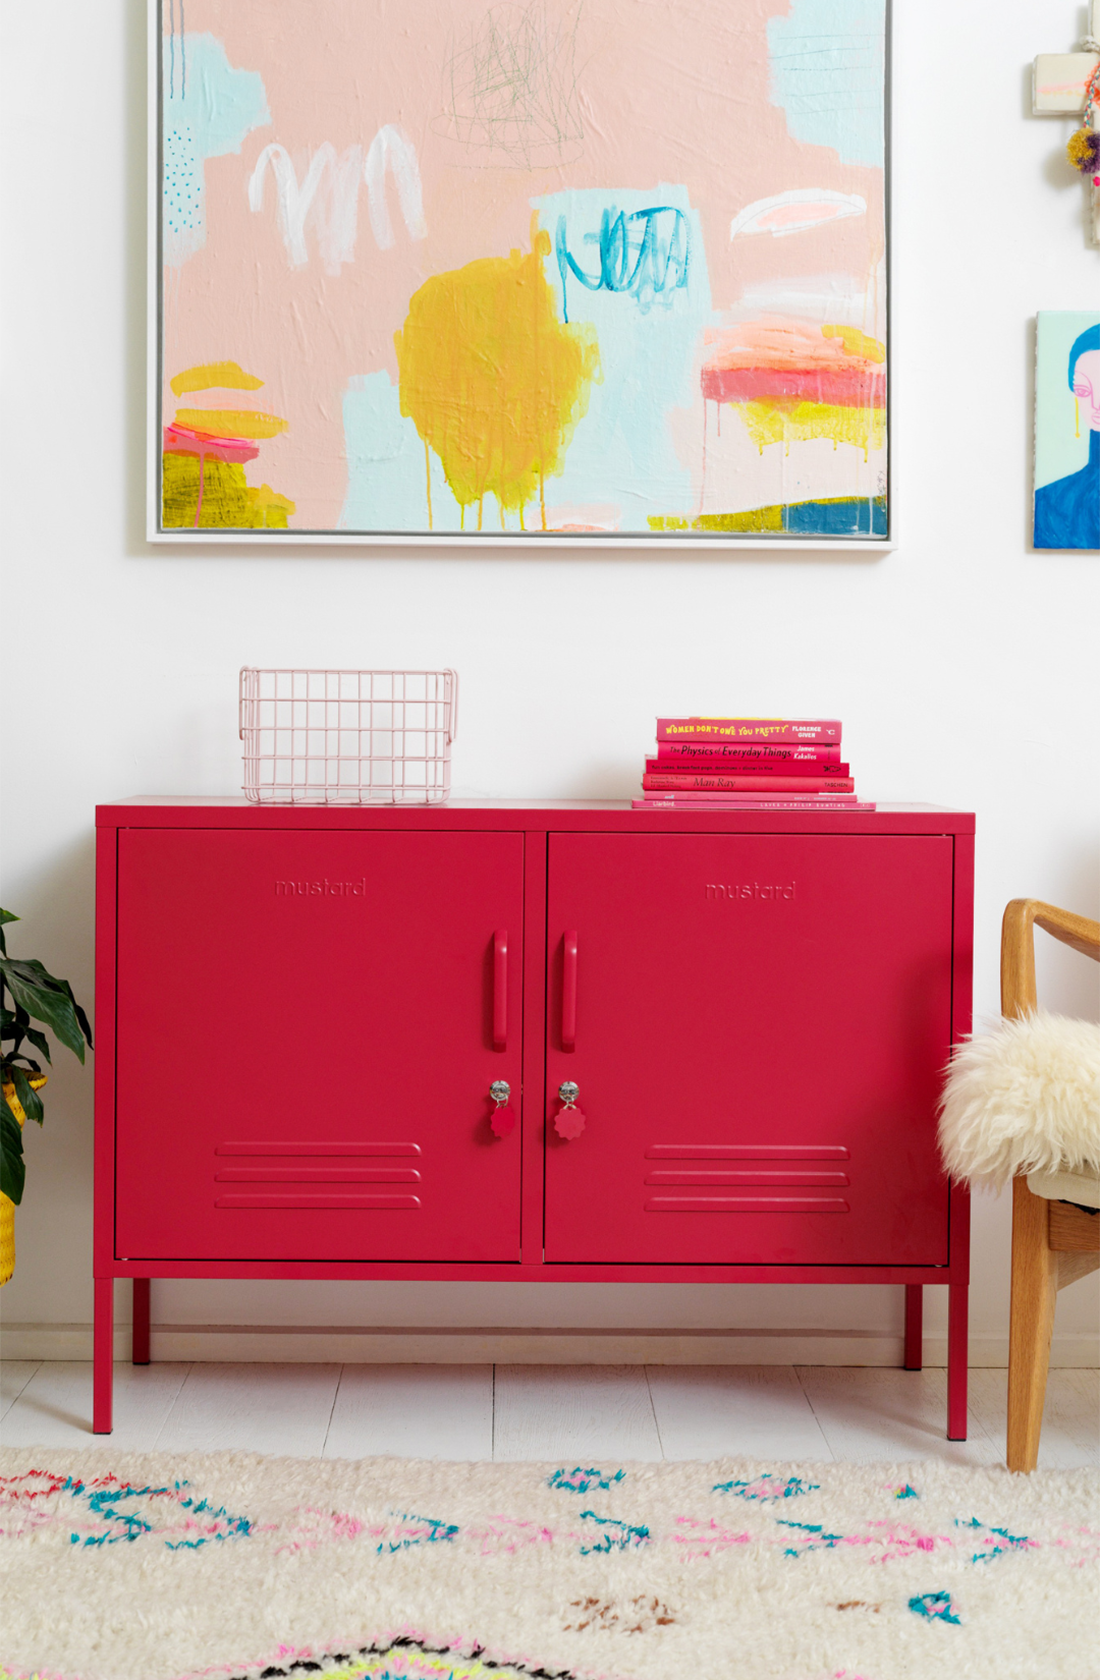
(156, 1567)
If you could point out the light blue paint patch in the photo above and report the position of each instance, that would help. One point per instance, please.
(206, 114)
(828, 60)
(643, 285)
(1061, 430)
(387, 482)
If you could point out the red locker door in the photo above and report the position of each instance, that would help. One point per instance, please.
(306, 1044)
(760, 1024)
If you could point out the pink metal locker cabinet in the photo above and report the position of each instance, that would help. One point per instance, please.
(301, 1011)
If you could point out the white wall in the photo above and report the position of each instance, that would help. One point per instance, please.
(964, 666)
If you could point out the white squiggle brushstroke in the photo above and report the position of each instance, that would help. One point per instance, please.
(327, 199)
(393, 148)
(768, 215)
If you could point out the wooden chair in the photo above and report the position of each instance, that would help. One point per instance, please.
(1053, 1242)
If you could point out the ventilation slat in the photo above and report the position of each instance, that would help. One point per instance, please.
(302, 1199)
(753, 1175)
(746, 1152)
(744, 1204)
(317, 1175)
(313, 1148)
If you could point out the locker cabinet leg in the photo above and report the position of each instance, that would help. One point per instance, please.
(957, 1348)
(914, 1326)
(140, 1348)
(103, 1350)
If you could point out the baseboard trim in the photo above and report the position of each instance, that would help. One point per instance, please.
(505, 1345)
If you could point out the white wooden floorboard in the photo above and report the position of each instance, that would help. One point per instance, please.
(15, 1374)
(413, 1411)
(1073, 1412)
(892, 1415)
(1068, 1440)
(740, 1411)
(281, 1409)
(55, 1407)
(583, 1414)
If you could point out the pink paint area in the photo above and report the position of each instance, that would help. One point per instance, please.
(182, 440)
(341, 73)
(777, 357)
(598, 516)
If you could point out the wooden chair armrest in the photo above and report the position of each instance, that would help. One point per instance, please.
(1018, 947)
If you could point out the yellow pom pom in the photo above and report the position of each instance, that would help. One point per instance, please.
(1083, 150)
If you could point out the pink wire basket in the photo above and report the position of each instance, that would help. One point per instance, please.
(347, 737)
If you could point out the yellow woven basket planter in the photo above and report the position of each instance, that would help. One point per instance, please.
(7, 1206)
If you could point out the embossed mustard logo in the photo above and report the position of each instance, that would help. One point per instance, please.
(321, 889)
(729, 891)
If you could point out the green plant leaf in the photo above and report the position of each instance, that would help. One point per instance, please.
(7, 916)
(40, 1042)
(31, 1101)
(44, 1001)
(80, 1015)
(13, 1169)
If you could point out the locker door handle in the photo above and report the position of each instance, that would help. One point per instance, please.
(569, 991)
(500, 989)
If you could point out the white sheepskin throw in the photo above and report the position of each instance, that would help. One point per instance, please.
(1025, 1098)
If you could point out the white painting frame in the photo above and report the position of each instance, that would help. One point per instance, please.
(581, 543)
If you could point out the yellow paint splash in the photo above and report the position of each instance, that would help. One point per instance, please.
(787, 420)
(857, 343)
(226, 498)
(493, 380)
(229, 376)
(231, 422)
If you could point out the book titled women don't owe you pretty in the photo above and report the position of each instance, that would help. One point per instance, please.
(774, 764)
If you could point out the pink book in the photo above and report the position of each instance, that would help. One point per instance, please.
(731, 802)
(686, 780)
(710, 755)
(814, 730)
(697, 796)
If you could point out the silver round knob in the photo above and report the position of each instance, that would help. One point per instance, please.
(500, 1090)
(568, 1091)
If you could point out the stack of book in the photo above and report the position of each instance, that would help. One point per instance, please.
(770, 764)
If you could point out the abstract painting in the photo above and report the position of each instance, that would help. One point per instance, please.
(522, 271)
(1067, 429)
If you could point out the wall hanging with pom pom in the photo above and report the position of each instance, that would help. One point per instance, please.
(1069, 83)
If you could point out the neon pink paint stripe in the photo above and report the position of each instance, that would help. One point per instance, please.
(850, 388)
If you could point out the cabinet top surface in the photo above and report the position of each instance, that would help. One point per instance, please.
(204, 811)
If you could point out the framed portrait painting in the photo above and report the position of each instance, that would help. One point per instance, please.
(570, 272)
(1067, 429)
